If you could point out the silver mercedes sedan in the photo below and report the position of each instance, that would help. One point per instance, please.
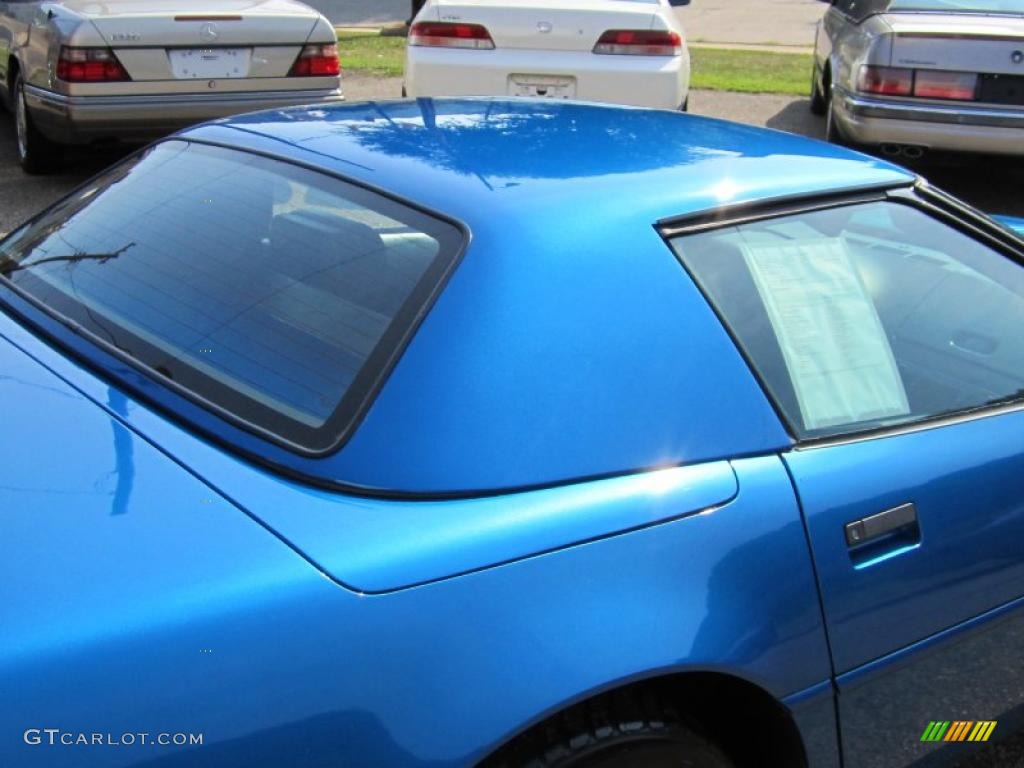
(908, 76)
(83, 71)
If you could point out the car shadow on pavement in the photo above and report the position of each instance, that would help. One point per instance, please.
(22, 195)
(991, 184)
(796, 117)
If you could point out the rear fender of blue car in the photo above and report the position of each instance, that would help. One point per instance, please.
(442, 673)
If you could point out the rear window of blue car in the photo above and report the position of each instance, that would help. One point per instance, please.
(275, 295)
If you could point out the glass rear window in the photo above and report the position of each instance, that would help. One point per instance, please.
(866, 316)
(275, 294)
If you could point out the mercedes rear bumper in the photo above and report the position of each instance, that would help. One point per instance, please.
(85, 119)
(960, 127)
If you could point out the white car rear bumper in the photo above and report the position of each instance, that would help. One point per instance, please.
(643, 81)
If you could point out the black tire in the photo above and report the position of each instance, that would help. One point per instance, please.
(818, 105)
(36, 153)
(621, 730)
(832, 133)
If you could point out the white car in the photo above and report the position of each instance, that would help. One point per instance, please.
(81, 71)
(617, 51)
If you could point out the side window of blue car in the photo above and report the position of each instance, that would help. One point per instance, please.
(866, 316)
(275, 295)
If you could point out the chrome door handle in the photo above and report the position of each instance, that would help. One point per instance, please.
(868, 529)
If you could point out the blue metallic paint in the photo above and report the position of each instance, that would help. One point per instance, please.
(549, 304)
(112, 611)
(156, 582)
(373, 545)
(814, 713)
(1014, 223)
(967, 482)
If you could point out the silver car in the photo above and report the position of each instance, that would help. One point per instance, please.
(908, 76)
(83, 71)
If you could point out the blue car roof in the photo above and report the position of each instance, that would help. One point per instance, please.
(569, 343)
(470, 157)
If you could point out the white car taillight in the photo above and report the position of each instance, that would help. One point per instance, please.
(442, 34)
(317, 61)
(640, 42)
(90, 65)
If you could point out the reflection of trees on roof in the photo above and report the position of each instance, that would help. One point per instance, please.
(528, 140)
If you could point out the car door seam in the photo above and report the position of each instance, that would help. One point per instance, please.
(821, 605)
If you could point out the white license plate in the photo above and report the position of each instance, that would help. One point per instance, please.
(210, 63)
(545, 86)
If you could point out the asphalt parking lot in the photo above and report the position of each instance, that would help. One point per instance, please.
(22, 195)
(363, 12)
(991, 184)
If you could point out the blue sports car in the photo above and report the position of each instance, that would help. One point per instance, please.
(509, 433)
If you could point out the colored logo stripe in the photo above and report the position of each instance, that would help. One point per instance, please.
(982, 730)
(958, 730)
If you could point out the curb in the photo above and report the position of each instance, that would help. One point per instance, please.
(765, 48)
(386, 29)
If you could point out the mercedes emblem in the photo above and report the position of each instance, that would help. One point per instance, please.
(208, 32)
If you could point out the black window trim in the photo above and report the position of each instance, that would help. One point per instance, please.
(917, 194)
(346, 428)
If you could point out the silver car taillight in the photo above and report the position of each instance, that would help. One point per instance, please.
(887, 81)
(923, 83)
(90, 65)
(935, 84)
(317, 61)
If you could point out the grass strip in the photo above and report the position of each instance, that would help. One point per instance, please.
(714, 69)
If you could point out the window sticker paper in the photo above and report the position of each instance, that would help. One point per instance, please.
(832, 340)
